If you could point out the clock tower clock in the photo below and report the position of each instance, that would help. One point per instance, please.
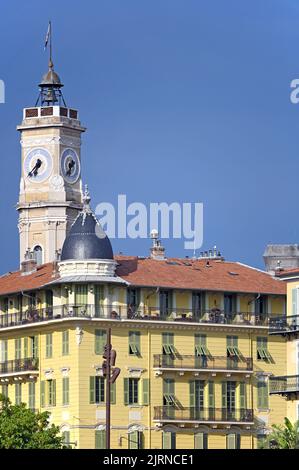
(50, 194)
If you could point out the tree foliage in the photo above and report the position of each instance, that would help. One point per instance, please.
(22, 428)
(283, 436)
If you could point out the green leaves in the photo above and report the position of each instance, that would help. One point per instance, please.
(21, 428)
(284, 436)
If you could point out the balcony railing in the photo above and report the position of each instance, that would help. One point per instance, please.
(59, 312)
(213, 316)
(285, 384)
(168, 413)
(19, 365)
(283, 324)
(202, 362)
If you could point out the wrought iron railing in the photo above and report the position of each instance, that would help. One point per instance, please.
(280, 324)
(59, 312)
(168, 413)
(284, 384)
(19, 365)
(34, 315)
(214, 315)
(202, 362)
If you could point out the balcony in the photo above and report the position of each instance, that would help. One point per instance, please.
(285, 385)
(60, 312)
(206, 415)
(194, 363)
(284, 325)
(19, 367)
(213, 316)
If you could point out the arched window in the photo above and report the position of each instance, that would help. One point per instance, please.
(38, 254)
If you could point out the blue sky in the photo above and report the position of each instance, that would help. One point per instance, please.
(185, 101)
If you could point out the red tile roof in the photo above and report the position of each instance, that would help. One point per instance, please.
(198, 274)
(171, 273)
(16, 282)
(287, 272)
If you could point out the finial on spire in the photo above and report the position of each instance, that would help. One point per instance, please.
(86, 200)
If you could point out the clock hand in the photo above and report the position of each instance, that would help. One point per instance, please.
(34, 170)
(71, 164)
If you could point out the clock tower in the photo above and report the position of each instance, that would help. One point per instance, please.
(50, 186)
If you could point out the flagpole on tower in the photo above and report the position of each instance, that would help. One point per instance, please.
(50, 32)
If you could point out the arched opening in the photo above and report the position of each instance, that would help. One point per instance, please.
(38, 254)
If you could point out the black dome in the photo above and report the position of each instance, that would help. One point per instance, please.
(86, 240)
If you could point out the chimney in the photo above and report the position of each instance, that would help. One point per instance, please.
(29, 264)
(157, 250)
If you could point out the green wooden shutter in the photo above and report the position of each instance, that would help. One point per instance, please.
(192, 393)
(26, 348)
(113, 394)
(199, 440)
(65, 343)
(81, 292)
(65, 390)
(242, 391)
(167, 339)
(224, 394)
(92, 390)
(100, 341)
(262, 395)
(49, 345)
(231, 441)
(100, 439)
(31, 395)
(166, 440)
(134, 440)
(54, 391)
(18, 348)
(34, 346)
(126, 391)
(134, 342)
(42, 394)
(211, 393)
(145, 391)
(294, 301)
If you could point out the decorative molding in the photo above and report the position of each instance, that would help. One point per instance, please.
(45, 140)
(79, 335)
(56, 182)
(65, 371)
(49, 373)
(135, 371)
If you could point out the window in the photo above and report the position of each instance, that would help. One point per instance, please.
(97, 390)
(49, 345)
(295, 301)
(168, 440)
(262, 352)
(38, 254)
(168, 349)
(232, 352)
(133, 391)
(81, 292)
(65, 343)
(201, 351)
(100, 439)
(230, 304)
(18, 393)
(34, 346)
(165, 302)
(99, 300)
(261, 305)
(65, 391)
(100, 341)
(262, 394)
(18, 348)
(198, 303)
(26, 348)
(133, 300)
(134, 343)
(135, 440)
(31, 395)
(200, 440)
(228, 400)
(242, 395)
(233, 441)
(197, 398)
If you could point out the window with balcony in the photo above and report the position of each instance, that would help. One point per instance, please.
(133, 301)
(229, 400)
(81, 293)
(232, 351)
(165, 302)
(197, 388)
(201, 351)
(168, 349)
(262, 352)
(230, 305)
(99, 299)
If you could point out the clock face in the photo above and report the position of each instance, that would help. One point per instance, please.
(38, 165)
(70, 166)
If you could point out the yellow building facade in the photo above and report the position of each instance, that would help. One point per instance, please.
(191, 336)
